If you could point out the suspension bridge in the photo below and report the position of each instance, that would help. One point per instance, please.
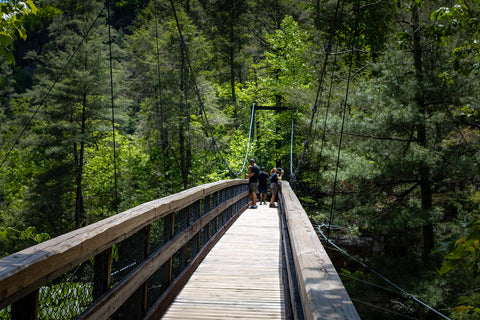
(197, 254)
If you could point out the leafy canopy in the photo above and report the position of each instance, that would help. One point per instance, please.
(11, 24)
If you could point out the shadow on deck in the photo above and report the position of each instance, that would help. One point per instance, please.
(134, 264)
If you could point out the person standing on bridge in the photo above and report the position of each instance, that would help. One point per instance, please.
(263, 185)
(275, 176)
(252, 183)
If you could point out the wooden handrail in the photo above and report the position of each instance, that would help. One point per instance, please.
(24, 272)
(213, 208)
(322, 293)
(102, 309)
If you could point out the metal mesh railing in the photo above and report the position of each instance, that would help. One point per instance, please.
(127, 255)
(193, 247)
(5, 313)
(206, 204)
(195, 211)
(133, 308)
(71, 294)
(67, 296)
(160, 232)
(203, 235)
(158, 283)
(181, 221)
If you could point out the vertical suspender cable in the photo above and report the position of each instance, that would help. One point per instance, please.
(345, 103)
(250, 135)
(292, 174)
(320, 85)
(197, 91)
(322, 144)
(199, 98)
(159, 83)
(113, 107)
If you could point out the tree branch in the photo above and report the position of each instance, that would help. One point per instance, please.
(355, 134)
(370, 4)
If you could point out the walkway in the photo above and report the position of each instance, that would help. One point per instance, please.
(241, 276)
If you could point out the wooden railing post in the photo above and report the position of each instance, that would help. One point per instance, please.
(148, 232)
(26, 308)
(187, 225)
(123, 293)
(102, 273)
(172, 234)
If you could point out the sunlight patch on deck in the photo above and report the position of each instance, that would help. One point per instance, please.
(241, 277)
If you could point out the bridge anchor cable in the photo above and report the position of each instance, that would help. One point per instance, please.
(408, 295)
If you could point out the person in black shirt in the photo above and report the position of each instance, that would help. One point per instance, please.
(252, 183)
(262, 185)
(276, 175)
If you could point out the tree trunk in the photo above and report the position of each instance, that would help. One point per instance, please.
(79, 159)
(232, 77)
(424, 170)
(278, 130)
(231, 59)
(182, 123)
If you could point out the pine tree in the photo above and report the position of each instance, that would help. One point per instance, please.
(228, 29)
(165, 91)
(71, 90)
(401, 126)
(11, 24)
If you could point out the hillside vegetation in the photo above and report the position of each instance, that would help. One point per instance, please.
(374, 118)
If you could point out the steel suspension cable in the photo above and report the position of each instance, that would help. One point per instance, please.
(373, 306)
(112, 106)
(158, 100)
(198, 95)
(57, 79)
(327, 238)
(320, 86)
(329, 99)
(345, 103)
(250, 135)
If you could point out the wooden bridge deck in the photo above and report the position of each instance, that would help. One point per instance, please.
(241, 277)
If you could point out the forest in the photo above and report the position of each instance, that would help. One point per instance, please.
(371, 107)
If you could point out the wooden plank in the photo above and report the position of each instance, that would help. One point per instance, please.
(159, 307)
(27, 270)
(322, 292)
(241, 276)
(113, 299)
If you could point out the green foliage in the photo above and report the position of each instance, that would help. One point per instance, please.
(65, 300)
(12, 240)
(137, 179)
(11, 24)
(288, 55)
(463, 256)
(469, 306)
(287, 59)
(460, 18)
(465, 252)
(355, 281)
(245, 53)
(69, 115)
